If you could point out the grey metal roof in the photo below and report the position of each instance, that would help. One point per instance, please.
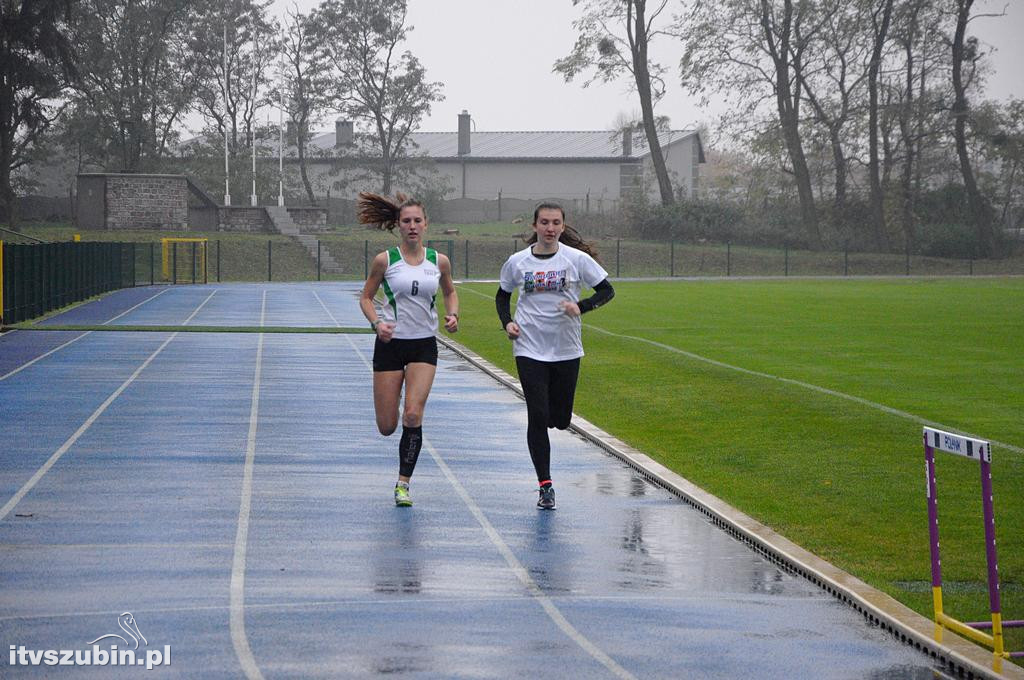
(521, 145)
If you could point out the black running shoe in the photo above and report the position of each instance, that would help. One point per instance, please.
(547, 497)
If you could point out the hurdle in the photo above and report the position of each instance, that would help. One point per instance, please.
(981, 451)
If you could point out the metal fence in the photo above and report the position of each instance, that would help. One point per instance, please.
(40, 277)
(481, 258)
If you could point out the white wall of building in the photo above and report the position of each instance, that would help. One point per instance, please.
(532, 179)
(681, 160)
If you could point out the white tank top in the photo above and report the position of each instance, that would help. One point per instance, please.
(409, 292)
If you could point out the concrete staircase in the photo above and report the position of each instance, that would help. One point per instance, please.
(284, 224)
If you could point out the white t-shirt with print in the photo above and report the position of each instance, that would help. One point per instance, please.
(546, 332)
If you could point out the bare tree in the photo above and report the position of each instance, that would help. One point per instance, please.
(384, 89)
(308, 85)
(831, 83)
(615, 38)
(226, 97)
(881, 15)
(755, 49)
(915, 31)
(966, 52)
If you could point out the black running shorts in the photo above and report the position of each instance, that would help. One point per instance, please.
(394, 355)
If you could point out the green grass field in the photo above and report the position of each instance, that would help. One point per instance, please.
(842, 478)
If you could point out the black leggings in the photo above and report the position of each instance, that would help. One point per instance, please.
(549, 387)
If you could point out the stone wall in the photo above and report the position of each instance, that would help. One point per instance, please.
(311, 219)
(243, 218)
(146, 202)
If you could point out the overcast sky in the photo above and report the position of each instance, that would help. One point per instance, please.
(495, 56)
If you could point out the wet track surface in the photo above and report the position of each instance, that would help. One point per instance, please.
(141, 513)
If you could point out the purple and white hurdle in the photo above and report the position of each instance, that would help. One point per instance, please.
(981, 451)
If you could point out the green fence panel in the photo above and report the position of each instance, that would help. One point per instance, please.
(41, 277)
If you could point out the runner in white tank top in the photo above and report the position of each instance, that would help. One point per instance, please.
(405, 349)
(409, 291)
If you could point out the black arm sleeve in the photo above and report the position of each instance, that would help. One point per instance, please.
(603, 292)
(503, 301)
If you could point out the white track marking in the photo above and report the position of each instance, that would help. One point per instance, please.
(78, 433)
(237, 614)
(515, 565)
(816, 388)
(325, 309)
(133, 308)
(43, 356)
(524, 576)
(76, 339)
(201, 305)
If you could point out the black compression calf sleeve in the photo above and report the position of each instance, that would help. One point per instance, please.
(409, 449)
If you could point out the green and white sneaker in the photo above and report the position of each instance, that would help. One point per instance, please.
(402, 497)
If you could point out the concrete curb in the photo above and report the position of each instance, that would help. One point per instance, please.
(959, 655)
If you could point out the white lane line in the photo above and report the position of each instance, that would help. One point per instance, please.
(132, 309)
(524, 576)
(43, 356)
(76, 339)
(326, 310)
(201, 305)
(515, 565)
(809, 386)
(78, 433)
(237, 601)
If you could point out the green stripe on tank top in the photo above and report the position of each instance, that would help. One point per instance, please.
(432, 257)
(394, 255)
(391, 297)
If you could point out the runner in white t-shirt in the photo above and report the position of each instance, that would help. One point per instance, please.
(405, 351)
(546, 332)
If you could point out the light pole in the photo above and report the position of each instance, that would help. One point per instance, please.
(227, 167)
(280, 130)
(252, 127)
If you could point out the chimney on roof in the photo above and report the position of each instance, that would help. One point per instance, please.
(627, 142)
(344, 134)
(464, 122)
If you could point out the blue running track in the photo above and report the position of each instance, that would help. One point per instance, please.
(230, 492)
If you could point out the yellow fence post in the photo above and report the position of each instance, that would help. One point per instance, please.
(1, 283)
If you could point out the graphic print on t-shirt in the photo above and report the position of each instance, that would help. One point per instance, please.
(536, 282)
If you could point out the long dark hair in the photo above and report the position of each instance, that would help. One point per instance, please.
(569, 236)
(382, 211)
